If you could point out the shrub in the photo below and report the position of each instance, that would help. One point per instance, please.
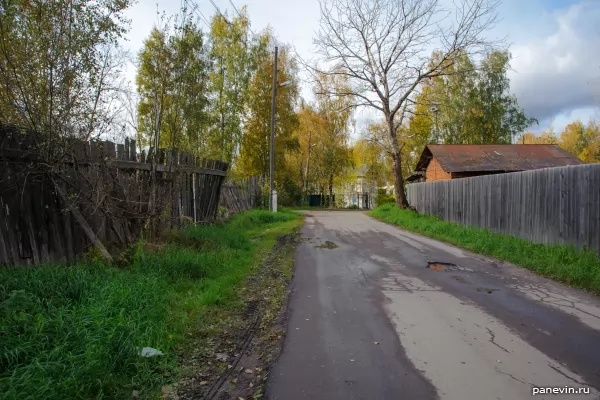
(384, 198)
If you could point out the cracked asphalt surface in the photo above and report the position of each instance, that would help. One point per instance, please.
(369, 319)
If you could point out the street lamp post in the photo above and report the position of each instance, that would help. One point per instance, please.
(436, 108)
(272, 192)
(272, 207)
(310, 146)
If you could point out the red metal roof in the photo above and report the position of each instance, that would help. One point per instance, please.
(496, 157)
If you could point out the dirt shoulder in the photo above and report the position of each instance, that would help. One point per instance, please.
(235, 352)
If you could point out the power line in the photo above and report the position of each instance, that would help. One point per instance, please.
(235, 8)
(194, 7)
(219, 12)
(240, 15)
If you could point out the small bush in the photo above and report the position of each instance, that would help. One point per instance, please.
(384, 198)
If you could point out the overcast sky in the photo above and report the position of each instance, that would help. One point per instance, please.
(555, 46)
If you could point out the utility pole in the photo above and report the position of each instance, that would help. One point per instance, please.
(272, 148)
(307, 166)
(222, 110)
(435, 110)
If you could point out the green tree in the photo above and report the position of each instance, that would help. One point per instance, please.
(444, 105)
(172, 82)
(235, 56)
(155, 87)
(303, 163)
(333, 153)
(191, 114)
(254, 154)
(370, 156)
(469, 105)
(424, 122)
(425, 126)
(500, 118)
(59, 64)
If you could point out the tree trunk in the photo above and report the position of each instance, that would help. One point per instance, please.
(399, 181)
(331, 205)
(397, 169)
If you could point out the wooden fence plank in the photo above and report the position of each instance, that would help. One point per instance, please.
(120, 152)
(110, 150)
(132, 151)
(126, 149)
(4, 254)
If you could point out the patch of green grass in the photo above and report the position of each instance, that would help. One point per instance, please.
(578, 268)
(75, 332)
(307, 208)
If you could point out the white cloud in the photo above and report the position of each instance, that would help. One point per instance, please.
(556, 55)
(293, 22)
(556, 74)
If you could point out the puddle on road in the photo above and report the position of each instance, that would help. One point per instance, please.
(437, 267)
(444, 266)
(486, 290)
(327, 245)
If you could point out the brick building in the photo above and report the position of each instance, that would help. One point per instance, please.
(453, 161)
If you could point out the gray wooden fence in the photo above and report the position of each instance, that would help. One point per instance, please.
(241, 195)
(552, 205)
(60, 197)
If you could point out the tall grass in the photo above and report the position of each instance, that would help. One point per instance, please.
(75, 332)
(579, 268)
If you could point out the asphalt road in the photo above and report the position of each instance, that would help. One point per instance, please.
(370, 319)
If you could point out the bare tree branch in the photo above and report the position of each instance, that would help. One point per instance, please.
(383, 48)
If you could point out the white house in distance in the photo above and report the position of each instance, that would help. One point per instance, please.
(358, 191)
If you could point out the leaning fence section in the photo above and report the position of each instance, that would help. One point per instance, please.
(63, 197)
(240, 195)
(553, 205)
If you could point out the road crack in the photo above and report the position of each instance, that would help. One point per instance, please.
(515, 378)
(555, 300)
(554, 367)
(493, 340)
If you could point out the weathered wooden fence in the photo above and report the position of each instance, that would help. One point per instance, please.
(242, 195)
(552, 205)
(58, 198)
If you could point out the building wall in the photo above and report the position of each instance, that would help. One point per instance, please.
(435, 172)
(360, 192)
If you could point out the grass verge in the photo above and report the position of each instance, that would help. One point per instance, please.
(308, 208)
(578, 268)
(75, 332)
(236, 340)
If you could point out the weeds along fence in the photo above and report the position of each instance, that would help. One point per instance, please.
(60, 197)
(553, 205)
(241, 195)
